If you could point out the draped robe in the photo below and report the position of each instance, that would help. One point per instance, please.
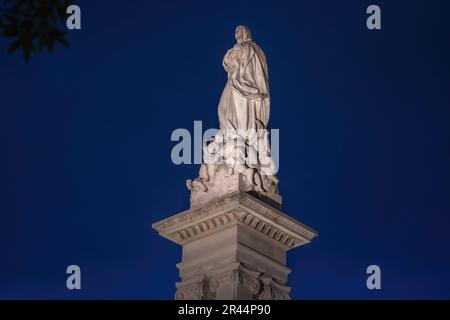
(245, 101)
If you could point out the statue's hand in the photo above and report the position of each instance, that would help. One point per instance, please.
(257, 96)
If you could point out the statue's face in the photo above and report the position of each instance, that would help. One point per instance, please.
(242, 34)
(239, 34)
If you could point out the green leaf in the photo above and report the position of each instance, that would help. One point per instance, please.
(11, 18)
(13, 46)
(26, 53)
(42, 42)
(50, 44)
(34, 24)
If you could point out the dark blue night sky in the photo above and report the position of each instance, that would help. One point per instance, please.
(364, 118)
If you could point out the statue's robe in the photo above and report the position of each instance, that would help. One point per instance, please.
(245, 101)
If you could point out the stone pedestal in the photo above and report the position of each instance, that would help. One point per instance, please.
(234, 247)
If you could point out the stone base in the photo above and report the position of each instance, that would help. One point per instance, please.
(221, 183)
(234, 247)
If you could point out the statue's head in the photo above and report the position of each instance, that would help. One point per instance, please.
(242, 34)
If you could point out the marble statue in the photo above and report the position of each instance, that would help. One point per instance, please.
(234, 236)
(238, 156)
(245, 100)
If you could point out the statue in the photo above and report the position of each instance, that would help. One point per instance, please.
(235, 236)
(245, 100)
(238, 156)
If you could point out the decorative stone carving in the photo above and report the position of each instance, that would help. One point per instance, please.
(194, 289)
(260, 286)
(273, 290)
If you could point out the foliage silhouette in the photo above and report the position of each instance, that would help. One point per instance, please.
(33, 25)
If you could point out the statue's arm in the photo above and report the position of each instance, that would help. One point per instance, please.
(226, 60)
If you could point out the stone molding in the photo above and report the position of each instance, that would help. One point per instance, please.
(235, 208)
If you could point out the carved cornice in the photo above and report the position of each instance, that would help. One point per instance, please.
(235, 208)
